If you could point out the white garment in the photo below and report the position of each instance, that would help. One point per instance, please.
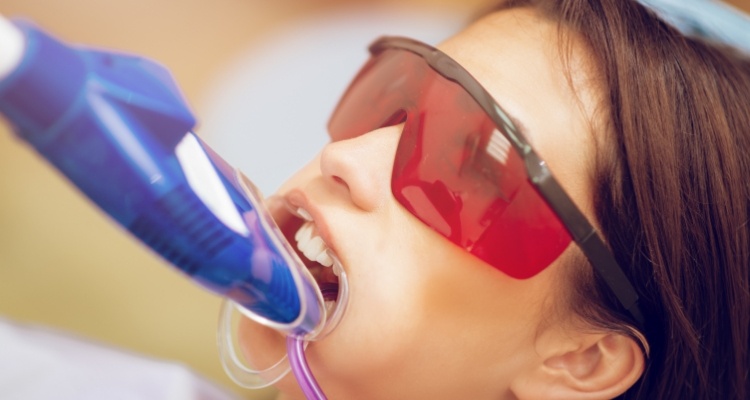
(39, 364)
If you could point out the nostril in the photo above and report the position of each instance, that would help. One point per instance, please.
(340, 180)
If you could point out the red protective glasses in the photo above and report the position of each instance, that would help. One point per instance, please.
(464, 169)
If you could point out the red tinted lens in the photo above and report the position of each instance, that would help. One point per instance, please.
(379, 95)
(454, 169)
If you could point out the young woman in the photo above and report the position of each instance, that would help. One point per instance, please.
(472, 275)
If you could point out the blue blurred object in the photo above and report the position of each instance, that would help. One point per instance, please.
(118, 128)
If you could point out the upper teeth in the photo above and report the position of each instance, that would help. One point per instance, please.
(312, 245)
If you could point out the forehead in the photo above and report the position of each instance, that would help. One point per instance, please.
(516, 55)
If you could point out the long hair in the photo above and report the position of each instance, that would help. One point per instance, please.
(671, 194)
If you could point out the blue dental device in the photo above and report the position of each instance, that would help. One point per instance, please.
(117, 127)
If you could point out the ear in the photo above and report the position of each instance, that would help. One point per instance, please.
(576, 365)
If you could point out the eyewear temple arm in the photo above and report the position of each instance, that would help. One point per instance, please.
(584, 234)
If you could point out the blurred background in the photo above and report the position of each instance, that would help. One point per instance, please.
(261, 76)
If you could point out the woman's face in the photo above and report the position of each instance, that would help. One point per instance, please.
(425, 319)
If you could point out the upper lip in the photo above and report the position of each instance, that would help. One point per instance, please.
(295, 199)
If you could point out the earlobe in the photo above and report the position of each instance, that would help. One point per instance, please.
(590, 366)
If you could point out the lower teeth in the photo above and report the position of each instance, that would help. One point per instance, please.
(330, 305)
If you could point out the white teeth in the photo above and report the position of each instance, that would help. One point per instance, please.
(311, 245)
(304, 234)
(330, 305)
(304, 214)
(324, 259)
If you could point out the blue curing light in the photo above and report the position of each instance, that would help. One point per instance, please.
(118, 128)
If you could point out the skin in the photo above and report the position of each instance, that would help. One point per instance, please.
(425, 318)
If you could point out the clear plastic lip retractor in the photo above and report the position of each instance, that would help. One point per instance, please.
(117, 127)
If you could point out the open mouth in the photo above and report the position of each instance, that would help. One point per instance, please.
(300, 231)
(318, 259)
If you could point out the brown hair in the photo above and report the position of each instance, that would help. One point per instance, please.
(672, 195)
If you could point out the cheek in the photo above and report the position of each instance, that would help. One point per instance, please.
(422, 313)
(384, 314)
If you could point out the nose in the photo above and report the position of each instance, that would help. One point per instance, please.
(363, 165)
